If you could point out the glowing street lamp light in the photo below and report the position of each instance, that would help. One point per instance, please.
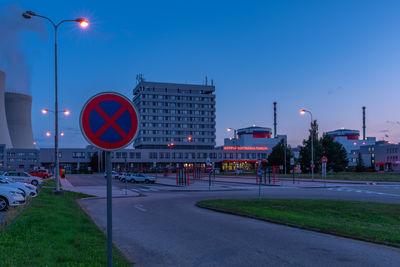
(46, 110)
(302, 112)
(84, 24)
(48, 133)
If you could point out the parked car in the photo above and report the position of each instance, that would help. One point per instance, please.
(28, 189)
(124, 177)
(141, 177)
(22, 177)
(10, 197)
(44, 174)
(114, 175)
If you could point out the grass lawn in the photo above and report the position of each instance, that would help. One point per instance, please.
(55, 231)
(355, 176)
(369, 221)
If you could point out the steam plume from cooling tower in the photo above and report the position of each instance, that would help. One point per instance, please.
(12, 57)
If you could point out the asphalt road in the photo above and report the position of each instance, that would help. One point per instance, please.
(169, 230)
(380, 193)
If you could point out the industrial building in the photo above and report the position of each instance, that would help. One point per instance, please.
(350, 140)
(17, 149)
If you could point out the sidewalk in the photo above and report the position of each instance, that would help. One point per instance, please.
(98, 191)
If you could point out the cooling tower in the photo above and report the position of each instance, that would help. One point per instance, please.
(18, 111)
(4, 133)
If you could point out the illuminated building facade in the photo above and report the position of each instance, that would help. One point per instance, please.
(248, 147)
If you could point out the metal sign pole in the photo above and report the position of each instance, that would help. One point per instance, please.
(109, 210)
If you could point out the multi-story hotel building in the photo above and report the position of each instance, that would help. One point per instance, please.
(178, 114)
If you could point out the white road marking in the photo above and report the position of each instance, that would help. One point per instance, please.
(140, 207)
(349, 190)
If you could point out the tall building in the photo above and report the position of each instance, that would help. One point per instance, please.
(350, 140)
(182, 114)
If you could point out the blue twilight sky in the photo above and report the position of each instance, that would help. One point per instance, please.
(331, 57)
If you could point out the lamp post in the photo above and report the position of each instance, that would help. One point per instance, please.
(170, 146)
(303, 111)
(236, 147)
(83, 23)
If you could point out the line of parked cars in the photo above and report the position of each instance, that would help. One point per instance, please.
(132, 177)
(15, 187)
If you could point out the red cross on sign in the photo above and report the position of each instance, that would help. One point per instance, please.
(109, 121)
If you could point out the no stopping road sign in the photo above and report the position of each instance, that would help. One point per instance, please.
(109, 121)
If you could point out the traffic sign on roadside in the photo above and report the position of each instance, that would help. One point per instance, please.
(109, 121)
(324, 159)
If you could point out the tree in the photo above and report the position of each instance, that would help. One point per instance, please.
(335, 152)
(360, 164)
(277, 157)
(94, 161)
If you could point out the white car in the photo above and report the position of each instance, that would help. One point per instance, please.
(22, 177)
(29, 189)
(140, 178)
(124, 177)
(114, 175)
(10, 197)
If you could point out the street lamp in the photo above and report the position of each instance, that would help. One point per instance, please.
(302, 112)
(236, 147)
(170, 146)
(66, 111)
(48, 134)
(83, 23)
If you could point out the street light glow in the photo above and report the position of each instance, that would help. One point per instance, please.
(302, 112)
(44, 111)
(48, 133)
(229, 129)
(62, 134)
(83, 22)
(66, 112)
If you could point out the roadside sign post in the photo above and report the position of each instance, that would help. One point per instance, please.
(110, 122)
(109, 209)
(324, 162)
(259, 175)
(292, 165)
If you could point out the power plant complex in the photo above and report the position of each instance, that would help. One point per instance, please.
(178, 127)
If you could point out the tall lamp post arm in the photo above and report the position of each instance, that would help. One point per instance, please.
(52, 22)
(27, 15)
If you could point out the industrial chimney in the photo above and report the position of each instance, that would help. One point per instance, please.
(4, 133)
(363, 111)
(275, 133)
(18, 111)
